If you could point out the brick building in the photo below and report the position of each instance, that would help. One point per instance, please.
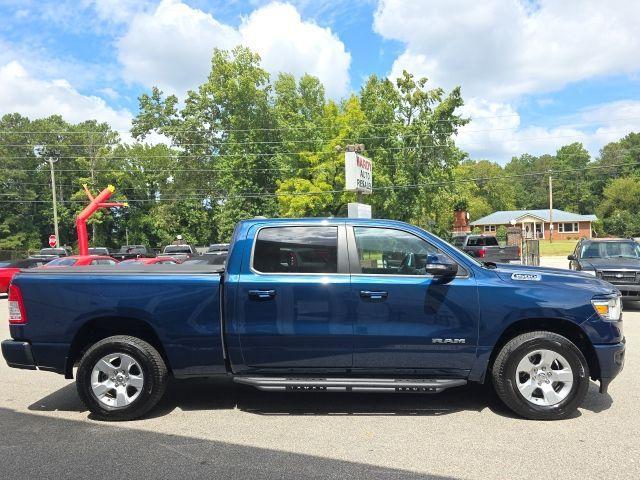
(535, 223)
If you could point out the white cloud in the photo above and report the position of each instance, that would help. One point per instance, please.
(495, 131)
(501, 49)
(20, 92)
(288, 44)
(171, 46)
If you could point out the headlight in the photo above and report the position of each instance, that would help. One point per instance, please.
(609, 309)
(590, 272)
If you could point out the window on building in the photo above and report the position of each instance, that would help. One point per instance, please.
(296, 250)
(571, 227)
(489, 228)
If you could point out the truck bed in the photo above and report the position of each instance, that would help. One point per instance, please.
(180, 304)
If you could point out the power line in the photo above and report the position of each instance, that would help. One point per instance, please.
(398, 122)
(325, 192)
(315, 128)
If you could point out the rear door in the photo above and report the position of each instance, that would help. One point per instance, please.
(292, 299)
(405, 320)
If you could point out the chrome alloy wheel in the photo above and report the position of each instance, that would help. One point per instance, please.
(544, 377)
(117, 380)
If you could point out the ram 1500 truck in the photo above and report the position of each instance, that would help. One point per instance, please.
(321, 305)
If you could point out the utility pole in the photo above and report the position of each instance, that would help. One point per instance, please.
(52, 160)
(550, 208)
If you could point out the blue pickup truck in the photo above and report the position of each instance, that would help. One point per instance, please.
(321, 305)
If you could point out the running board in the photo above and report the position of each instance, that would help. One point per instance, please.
(302, 384)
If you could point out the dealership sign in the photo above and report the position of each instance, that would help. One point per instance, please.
(358, 172)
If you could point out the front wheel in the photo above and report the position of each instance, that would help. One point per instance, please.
(121, 378)
(541, 376)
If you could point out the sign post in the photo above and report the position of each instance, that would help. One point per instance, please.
(52, 241)
(358, 174)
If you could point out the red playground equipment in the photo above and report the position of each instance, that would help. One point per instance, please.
(96, 203)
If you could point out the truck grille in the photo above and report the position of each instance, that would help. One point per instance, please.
(619, 276)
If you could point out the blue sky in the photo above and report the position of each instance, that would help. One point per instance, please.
(535, 74)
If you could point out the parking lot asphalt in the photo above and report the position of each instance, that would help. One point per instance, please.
(218, 429)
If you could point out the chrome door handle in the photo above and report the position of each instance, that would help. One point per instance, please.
(262, 294)
(378, 295)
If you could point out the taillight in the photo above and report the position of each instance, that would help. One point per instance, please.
(16, 305)
(482, 252)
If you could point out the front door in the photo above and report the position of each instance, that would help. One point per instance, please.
(293, 300)
(407, 321)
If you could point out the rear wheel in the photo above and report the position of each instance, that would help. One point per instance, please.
(121, 378)
(541, 376)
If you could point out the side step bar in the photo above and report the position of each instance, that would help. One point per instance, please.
(303, 384)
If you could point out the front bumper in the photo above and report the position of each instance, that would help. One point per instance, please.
(629, 292)
(18, 354)
(611, 361)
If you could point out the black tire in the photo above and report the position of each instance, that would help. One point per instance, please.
(506, 363)
(154, 373)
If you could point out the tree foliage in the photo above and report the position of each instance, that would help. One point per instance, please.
(244, 144)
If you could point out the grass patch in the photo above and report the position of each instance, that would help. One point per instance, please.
(557, 248)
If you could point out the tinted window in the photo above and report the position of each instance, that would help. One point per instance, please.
(103, 261)
(63, 262)
(482, 242)
(177, 249)
(137, 249)
(391, 252)
(296, 250)
(53, 251)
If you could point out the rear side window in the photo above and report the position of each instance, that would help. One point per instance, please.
(296, 250)
(103, 261)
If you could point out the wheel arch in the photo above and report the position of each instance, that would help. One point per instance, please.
(99, 328)
(566, 328)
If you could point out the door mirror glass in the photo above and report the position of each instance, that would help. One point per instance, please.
(571, 257)
(440, 265)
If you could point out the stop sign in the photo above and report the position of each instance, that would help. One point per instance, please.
(52, 241)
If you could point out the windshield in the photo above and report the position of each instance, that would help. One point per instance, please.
(133, 249)
(177, 249)
(611, 250)
(53, 251)
(62, 262)
(4, 264)
(133, 261)
(98, 251)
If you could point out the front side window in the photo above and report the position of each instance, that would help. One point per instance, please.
(388, 251)
(296, 250)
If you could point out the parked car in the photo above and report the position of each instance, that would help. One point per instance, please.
(133, 251)
(148, 261)
(309, 305)
(614, 260)
(486, 248)
(218, 258)
(218, 247)
(54, 252)
(99, 251)
(179, 252)
(10, 267)
(80, 261)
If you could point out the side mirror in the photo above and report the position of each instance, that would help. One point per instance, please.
(440, 265)
(571, 257)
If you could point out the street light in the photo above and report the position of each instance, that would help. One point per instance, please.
(39, 151)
